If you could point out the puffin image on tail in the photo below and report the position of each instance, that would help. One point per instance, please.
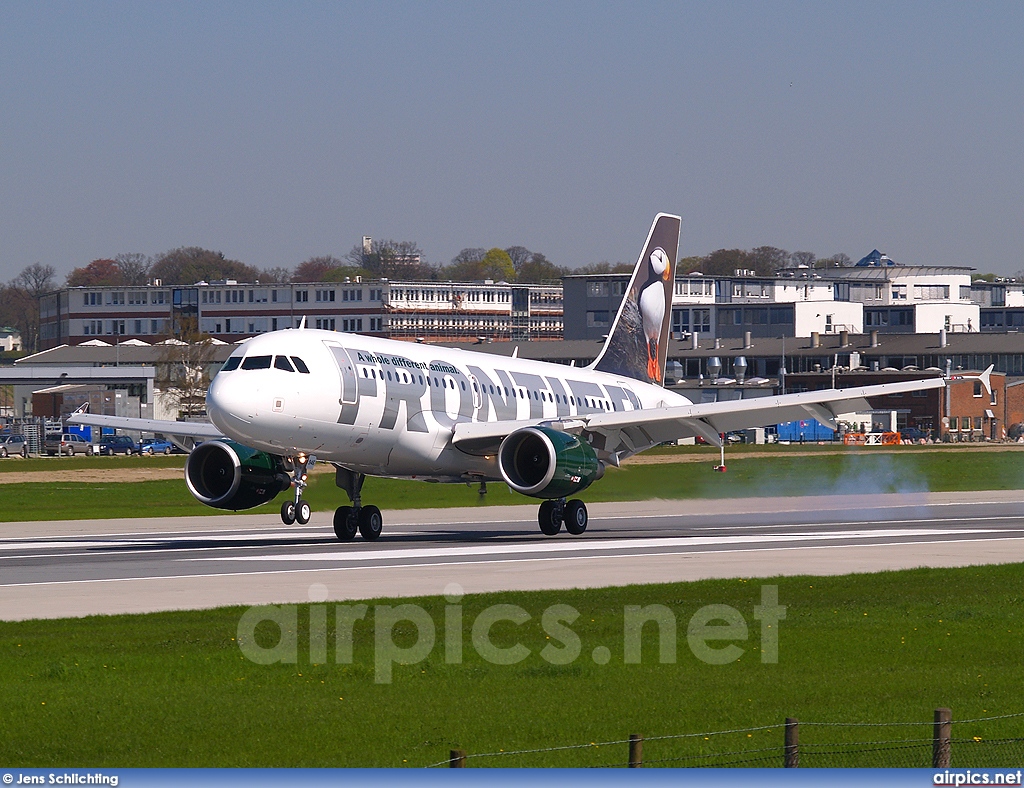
(652, 308)
(637, 345)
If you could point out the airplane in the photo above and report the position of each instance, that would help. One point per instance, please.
(380, 407)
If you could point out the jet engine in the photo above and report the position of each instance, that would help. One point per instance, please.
(545, 463)
(227, 475)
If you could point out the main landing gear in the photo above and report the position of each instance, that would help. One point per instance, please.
(298, 510)
(554, 513)
(349, 519)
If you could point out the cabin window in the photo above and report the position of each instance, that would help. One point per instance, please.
(300, 365)
(256, 362)
(231, 363)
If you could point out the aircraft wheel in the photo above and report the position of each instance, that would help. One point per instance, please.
(303, 512)
(345, 523)
(550, 523)
(370, 523)
(288, 512)
(575, 517)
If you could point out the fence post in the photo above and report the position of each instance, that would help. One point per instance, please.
(791, 753)
(636, 751)
(457, 759)
(941, 738)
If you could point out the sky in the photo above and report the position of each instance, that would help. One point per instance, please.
(276, 131)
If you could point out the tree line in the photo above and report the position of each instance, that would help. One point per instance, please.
(383, 258)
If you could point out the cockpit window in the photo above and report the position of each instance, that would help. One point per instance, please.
(281, 362)
(256, 362)
(231, 363)
(300, 365)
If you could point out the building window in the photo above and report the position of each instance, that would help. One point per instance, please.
(324, 295)
(301, 296)
(931, 292)
(597, 289)
(977, 388)
(92, 299)
(117, 298)
(376, 324)
(597, 318)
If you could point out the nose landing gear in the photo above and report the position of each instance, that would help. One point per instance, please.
(297, 510)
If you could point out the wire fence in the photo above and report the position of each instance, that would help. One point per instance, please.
(942, 742)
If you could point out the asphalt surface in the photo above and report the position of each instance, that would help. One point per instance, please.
(78, 568)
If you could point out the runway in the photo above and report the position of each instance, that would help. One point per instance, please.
(78, 568)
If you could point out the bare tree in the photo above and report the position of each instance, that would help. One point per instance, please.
(519, 255)
(838, 260)
(803, 259)
(19, 301)
(183, 368)
(275, 275)
(134, 267)
(36, 279)
(391, 259)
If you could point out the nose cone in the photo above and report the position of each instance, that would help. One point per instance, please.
(232, 405)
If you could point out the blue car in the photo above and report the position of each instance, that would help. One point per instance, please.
(155, 446)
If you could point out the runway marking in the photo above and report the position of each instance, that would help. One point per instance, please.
(527, 518)
(260, 573)
(159, 544)
(594, 545)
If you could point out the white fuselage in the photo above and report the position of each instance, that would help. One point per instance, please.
(383, 407)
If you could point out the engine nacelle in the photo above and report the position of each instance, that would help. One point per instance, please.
(227, 475)
(546, 463)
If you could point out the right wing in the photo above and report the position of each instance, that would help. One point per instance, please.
(177, 431)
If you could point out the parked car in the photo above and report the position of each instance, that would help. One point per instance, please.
(13, 444)
(912, 435)
(67, 443)
(155, 446)
(118, 444)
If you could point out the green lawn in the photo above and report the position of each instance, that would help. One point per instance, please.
(775, 474)
(173, 689)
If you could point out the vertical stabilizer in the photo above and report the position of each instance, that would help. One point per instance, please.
(637, 344)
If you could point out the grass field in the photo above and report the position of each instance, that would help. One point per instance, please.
(774, 474)
(173, 689)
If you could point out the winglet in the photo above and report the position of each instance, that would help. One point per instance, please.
(637, 345)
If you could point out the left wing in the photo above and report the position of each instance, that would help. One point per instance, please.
(620, 434)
